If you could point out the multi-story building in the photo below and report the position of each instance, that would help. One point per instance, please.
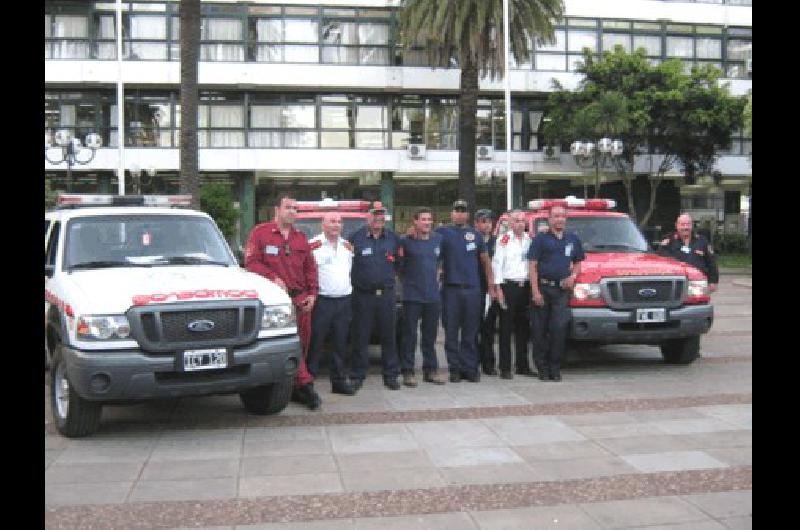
(319, 97)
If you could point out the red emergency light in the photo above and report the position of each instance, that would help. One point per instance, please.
(572, 202)
(329, 204)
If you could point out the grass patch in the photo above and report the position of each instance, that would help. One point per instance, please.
(735, 261)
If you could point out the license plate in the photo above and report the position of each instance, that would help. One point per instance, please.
(658, 314)
(205, 359)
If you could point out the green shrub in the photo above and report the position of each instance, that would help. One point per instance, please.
(217, 201)
(730, 244)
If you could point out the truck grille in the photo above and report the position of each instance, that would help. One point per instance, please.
(165, 328)
(642, 291)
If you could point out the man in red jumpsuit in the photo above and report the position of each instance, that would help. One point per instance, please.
(280, 253)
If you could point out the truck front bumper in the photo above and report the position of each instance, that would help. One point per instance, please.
(122, 375)
(615, 326)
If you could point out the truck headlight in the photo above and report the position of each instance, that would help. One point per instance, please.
(278, 316)
(586, 291)
(103, 327)
(698, 288)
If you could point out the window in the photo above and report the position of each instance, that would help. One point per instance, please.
(70, 37)
(221, 40)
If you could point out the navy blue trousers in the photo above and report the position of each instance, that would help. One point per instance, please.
(412, 313)
(461, 318)
(331, 317)
(370, 309)
(549, 324)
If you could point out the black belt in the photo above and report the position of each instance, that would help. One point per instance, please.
(461, 285)
(377, 292)
(326, 297)
(551, 283)
(518, 283)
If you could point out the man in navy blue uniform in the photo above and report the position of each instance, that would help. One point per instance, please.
(375, 250)
(421, 298)
(693, 249)
(483, 224)
(463, 254)
(554, 263)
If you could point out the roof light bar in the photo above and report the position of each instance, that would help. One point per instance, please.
(573, 202)
(330, 204)
(66, 200)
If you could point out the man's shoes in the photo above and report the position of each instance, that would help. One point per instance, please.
(307, 396)
(409, 380)
(543, 376)
(489, 371)
(434, 377)
(506, 374)
(455, 377)
(391, 383)
(526, 371)
(473, 377)
(356, 384)
(341, 387)
(555, 377)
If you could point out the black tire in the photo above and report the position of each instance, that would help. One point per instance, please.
(681, 351)
(268, 399)
(74, 416)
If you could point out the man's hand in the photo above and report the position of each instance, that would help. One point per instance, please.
(498, 294)
(279, 283)
(568, 282)
(665, 242)
(712, 287)
(308, 304)
(538, 299)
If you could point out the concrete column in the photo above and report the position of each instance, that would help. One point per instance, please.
(247, 205)
(387, 195)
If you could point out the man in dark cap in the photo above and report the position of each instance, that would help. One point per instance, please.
(463, 253)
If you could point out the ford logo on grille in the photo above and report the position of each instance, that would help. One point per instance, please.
(647, 292)
(200, 325)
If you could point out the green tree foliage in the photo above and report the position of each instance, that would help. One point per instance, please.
(672, 119)
(216, 200)
(50, 195)
(469, 33)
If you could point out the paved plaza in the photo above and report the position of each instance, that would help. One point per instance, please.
(625, 441)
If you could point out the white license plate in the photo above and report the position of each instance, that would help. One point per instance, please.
(658, 314)
(205, 359)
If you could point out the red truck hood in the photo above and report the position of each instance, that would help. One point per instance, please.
(598, 265)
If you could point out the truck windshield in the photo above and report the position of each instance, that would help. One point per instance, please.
(144, 241)
(603, 234)
(312, 227)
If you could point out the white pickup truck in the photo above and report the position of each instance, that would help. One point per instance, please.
(145, 300)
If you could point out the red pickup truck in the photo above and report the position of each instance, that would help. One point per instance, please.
(625, 293)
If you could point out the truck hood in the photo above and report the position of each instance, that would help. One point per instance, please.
(114, 291)
(598, 265)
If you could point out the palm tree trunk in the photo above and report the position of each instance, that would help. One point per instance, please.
(190, 55)
(467, 108)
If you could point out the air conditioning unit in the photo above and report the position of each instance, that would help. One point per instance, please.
(552, 152)
(749, 66)
(485, 152)
(416, 151)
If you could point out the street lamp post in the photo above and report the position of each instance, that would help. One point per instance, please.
(71, 150)
(587, 155)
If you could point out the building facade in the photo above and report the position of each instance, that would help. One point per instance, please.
(320, 98)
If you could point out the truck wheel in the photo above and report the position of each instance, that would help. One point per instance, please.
(74, 416)
(681, 351)
(268, 399)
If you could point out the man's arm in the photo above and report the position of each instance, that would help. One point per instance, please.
(487, 269)
(533, 272)
(254, 258)
(497, 271)
(311, 276)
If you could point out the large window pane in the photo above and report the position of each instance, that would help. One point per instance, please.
(739, 50)
(299, 30)
(225, 116)
(148, 51)
(551, 62)
(651, 44)
(47, 26)
(269, 30)
(373, 55)
(373, 33)
(337, 32)
(299, 117)
(264, 138)
(340, 54)
(268, 116)
(221, 29)
(300, 139)
(371, 117)
(222, 52)
(370, 140)
(335, 140)
(71, 27)
(613, 39)
(578, 40)
(708, 48)
(269, 54)
(560, 43)
(148, 27)
(334, 117)
(680, 47)
(301, 54)
(226, 138)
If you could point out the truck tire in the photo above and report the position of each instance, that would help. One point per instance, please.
(681, 351)
(268, 399)
(74, 416)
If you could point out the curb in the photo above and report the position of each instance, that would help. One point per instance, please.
(745, 272)
(744, 283)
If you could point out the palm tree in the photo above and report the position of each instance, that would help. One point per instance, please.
(471, 33)
(190, 55)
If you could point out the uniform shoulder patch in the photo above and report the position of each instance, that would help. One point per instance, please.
(504, 240)
(315, 244)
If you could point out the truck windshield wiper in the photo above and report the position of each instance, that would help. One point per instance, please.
(193, 260)
(100, 264)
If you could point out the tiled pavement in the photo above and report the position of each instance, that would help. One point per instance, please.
(675, 442)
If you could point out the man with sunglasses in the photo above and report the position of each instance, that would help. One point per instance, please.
(281, 253)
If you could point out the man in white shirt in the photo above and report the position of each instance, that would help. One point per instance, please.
(332, 313)
(511, 276)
